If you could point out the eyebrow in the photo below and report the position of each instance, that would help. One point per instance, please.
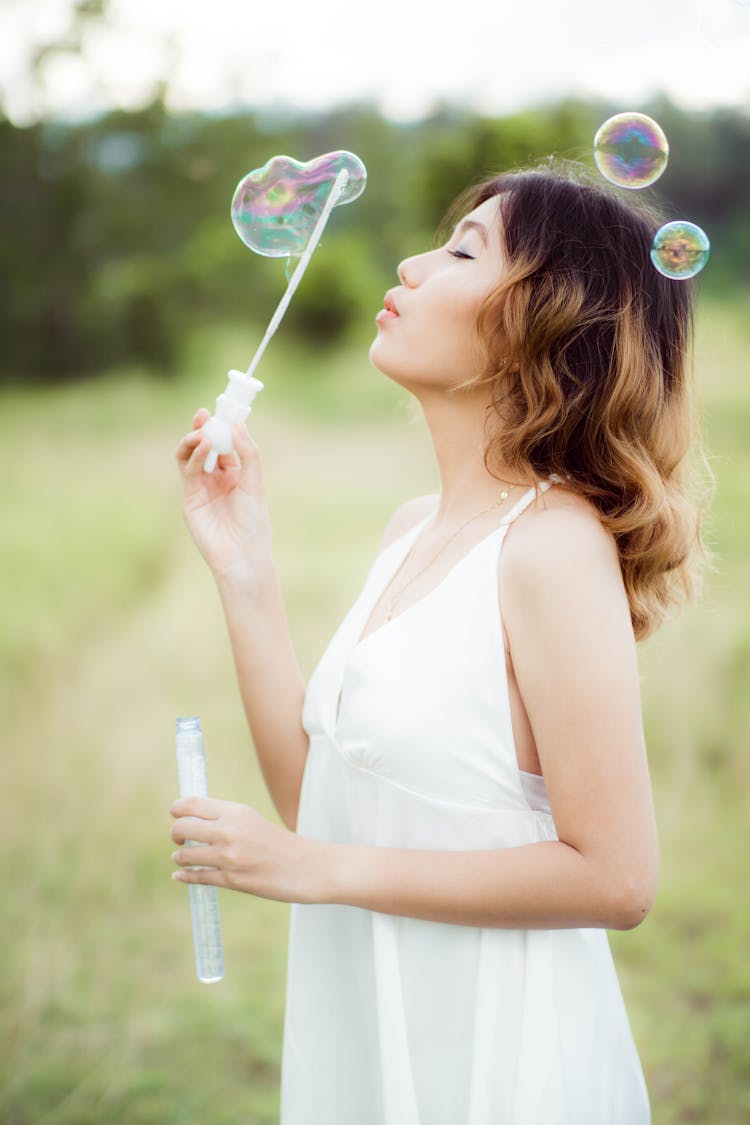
(471, 224)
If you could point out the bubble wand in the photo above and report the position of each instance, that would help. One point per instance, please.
(267, 220)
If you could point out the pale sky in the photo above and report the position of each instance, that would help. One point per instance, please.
(402, 55)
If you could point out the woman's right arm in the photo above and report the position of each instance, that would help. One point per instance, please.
(227, 515)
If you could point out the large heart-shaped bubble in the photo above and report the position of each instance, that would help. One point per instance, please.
(276, 207)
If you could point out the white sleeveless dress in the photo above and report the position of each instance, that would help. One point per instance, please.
(400, 1021)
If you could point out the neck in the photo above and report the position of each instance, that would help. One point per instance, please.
(457, 427)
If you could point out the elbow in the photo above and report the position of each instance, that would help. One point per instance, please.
(631, 902)
(629, 914)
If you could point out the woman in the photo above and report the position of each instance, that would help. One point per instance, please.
(464, 784)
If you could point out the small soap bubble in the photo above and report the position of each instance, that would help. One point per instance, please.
(275, 208)
(680, 250)
(631, 150)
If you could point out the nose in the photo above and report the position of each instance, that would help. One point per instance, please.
(409, 270)
(403, 274)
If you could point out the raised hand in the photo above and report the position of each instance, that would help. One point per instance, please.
(226, 510)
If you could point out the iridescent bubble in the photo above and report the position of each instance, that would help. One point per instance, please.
(680, 250)
(630, 150)
(276, 207)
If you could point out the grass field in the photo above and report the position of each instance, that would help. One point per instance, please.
(111, 628)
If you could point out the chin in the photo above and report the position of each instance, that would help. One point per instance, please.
(379, 360)
(418, 380)
(376, 356)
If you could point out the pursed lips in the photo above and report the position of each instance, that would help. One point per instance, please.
(388, 311)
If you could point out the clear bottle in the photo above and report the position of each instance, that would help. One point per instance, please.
(204, 900)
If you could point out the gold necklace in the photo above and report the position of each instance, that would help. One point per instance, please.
(395, 598)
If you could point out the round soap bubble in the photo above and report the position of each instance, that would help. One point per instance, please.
(680, 250)
(630, 150)
(275, 208)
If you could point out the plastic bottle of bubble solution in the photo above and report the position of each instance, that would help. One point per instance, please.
(204, 900)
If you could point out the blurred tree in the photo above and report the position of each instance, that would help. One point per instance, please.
(116, 239)
(342, 280)
(81, 14)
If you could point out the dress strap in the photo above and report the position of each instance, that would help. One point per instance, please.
(525, 500)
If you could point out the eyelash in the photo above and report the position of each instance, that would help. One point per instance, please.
(461, 254)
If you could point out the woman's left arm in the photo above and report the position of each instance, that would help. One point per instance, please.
(568, 623)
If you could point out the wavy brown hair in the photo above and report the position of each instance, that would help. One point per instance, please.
(588, 351)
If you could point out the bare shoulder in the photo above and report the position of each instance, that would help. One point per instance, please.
(559, 547)
(405, 517)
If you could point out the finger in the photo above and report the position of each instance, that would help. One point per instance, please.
(195, 828)
(195, 856)
(194, 467)
(207, 808)
(187, 444)
(208, 875)
(228, 461)
(249, 458)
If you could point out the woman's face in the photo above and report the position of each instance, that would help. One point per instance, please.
(427, 329)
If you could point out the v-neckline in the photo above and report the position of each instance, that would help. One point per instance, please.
(362, 640)
(363, 637)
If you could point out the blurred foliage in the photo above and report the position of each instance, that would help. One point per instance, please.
(117, 238)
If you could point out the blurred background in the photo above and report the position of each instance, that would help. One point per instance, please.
(126, 296)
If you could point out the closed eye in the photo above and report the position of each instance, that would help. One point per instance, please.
(461, 254)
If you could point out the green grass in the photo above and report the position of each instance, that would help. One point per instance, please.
(111, 628)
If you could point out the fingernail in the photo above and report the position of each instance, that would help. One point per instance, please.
(177, 876)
